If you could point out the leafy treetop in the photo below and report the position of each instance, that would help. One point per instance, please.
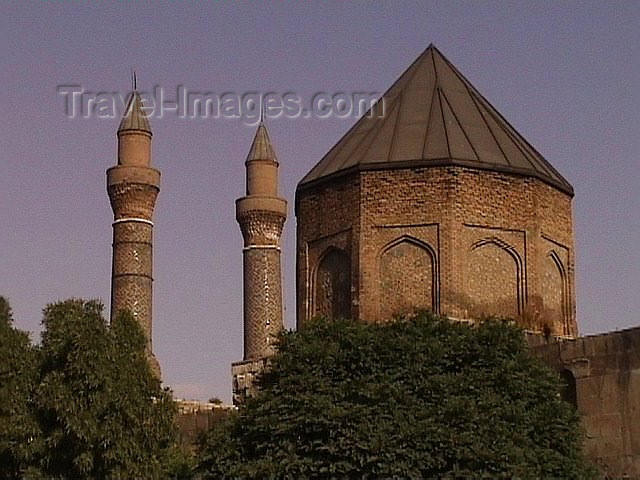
(420, 397)
(89, 405)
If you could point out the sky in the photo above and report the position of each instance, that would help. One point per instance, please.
(565, 74)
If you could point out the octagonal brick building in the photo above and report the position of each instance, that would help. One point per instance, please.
(433, 200)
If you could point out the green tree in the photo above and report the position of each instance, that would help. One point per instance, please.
(420, 397)
(18, 428)
(101, 410)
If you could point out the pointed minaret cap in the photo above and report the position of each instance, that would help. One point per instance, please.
(262, 148)
(135, 117)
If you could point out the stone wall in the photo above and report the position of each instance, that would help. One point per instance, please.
(603, 377)
(455, 240)
(196, 418)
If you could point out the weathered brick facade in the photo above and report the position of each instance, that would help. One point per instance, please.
(435, 201)
(455, 240)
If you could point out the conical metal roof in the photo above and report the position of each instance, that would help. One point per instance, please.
(433, 116)
(262, 148)
(134, 117)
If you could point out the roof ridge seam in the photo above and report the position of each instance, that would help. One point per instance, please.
(408, 81)
(475, 102)
(364, 137)
(395, 127)
(428, 128)
(461, 127)
(377, 128)
(444, 123)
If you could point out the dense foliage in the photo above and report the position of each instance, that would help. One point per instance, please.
(98, 410)
(422, 397)
(18, 428)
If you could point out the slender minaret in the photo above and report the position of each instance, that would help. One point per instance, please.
(261, 215)
(133, 186)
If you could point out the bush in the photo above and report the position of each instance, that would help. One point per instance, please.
(419, 397)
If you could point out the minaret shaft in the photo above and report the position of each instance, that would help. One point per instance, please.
(133, 187)
(262, 279)
(132, 267)
(261, 215)
(262, 314)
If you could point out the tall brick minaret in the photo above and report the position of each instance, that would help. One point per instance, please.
(133, 186)
(261, 215)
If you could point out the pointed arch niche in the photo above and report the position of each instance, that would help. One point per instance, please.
(555, 294)
(407, 277)
(493, 279)
(332, 284)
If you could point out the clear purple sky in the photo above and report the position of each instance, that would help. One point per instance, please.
(565, 74)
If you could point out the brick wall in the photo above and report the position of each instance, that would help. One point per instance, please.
(328, 218)
(459, 241)
(332, 295)
(406, 278)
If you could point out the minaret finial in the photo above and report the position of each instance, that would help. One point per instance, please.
(135, 116)
(262, 148)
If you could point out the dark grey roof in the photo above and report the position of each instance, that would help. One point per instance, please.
(134, 117)
(262, 148)
(433, 116)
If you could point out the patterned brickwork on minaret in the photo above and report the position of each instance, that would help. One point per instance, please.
(262, 284)
(133, 186)
(261, 215)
